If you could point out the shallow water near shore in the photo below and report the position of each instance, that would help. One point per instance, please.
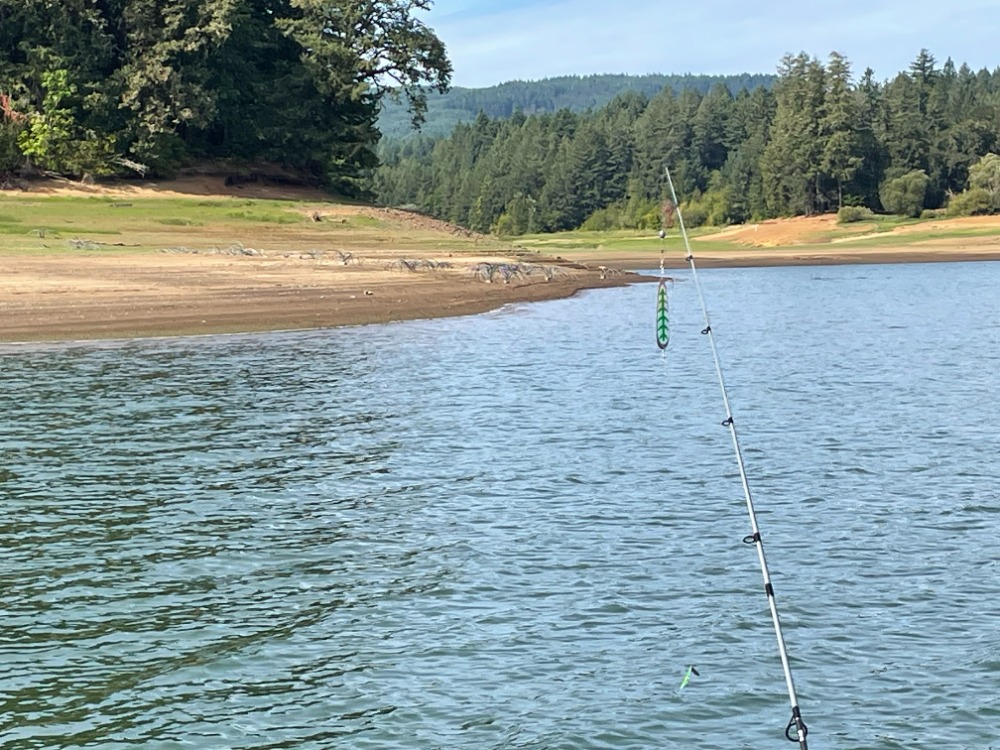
(516, 530)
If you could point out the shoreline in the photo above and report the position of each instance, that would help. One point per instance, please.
(801, 256)
(64, 298)
(115, 296)
(169, 259)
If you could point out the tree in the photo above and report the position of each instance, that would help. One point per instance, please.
(710, 126)
(663, 135)
(749, 128)
(817, 141)
(556, 204)
(915, 124)
(791, 162)
(589, 173)
(968, 130)
(163, 76)
(518, 218)
(616, 122)
(871, 130)
(12, 123)
(985, 175)
(905, 195)
(53, 139)
(298, 82)
(838, 126)
(362, 50)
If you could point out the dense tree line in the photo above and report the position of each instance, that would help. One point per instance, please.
(575, 93)
(103, 86)
(816, 141)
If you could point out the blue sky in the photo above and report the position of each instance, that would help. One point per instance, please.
(491, 41)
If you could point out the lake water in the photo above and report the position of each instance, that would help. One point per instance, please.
(516, 530)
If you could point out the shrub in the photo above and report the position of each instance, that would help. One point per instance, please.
(505, 226)
(603, 219)
(851, 214)
(640, 213)
(518, 217)
(715, 204)
(985, 175)
(971, 202)
(695, 214)
(905, 195)
(10, 155)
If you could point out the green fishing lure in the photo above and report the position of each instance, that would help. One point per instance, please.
(662, 316)
(687, 677)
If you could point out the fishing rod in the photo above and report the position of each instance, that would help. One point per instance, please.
(796, 723)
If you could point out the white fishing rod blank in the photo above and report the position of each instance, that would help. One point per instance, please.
(796, 723)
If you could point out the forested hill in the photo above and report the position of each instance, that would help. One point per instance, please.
(817, 140)
(575, 93)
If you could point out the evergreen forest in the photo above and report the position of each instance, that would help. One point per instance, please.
(96, 88)
(142, 87)
(575, 93)
(816, 141)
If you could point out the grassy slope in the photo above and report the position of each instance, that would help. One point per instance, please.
(40, 223)
(66, 224)
(889, 231)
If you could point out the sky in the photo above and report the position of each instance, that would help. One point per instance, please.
(492, 41)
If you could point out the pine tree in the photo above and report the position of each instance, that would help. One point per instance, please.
(838, 126)
(710, 125)
(749, 130)
(871, 130)
(791, 163)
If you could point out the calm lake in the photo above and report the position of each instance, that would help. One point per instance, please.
(516, 530)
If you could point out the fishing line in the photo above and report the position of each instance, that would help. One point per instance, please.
(796, 723)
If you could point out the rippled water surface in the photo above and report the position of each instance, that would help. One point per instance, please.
(516, 530)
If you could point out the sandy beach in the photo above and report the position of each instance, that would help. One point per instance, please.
(114, 292)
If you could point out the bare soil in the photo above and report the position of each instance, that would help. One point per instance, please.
(122, 296)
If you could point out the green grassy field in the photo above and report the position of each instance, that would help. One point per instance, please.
(623, 241)
(882, 231)
(57, 224)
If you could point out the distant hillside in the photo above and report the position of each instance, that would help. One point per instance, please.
(576, 93)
